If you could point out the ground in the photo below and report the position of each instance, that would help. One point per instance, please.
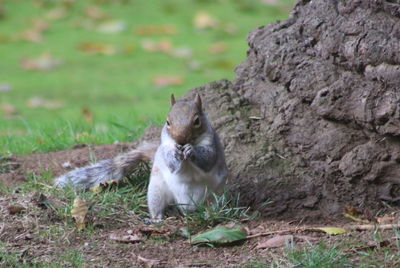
(37, 227)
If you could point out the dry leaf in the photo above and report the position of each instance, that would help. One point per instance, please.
(97, 48)
(87, 114)
(167, 80)
(78, 212)
(112, 26)
(94, 12)
(386, 219)
(152, 46)
(14, 209)
(32, 35)
(148, 263)
(217, 47)
(182, 52)
(40, 25)
(276, 241)
(353, 214)
(56, 13)
(8, 109)
(203, 20)
(38, 102)
(154, 29)
(44, 62)
(125, 237)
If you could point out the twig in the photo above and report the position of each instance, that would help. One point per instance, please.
(363, 227)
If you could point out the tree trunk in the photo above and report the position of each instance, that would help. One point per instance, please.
(311, 121)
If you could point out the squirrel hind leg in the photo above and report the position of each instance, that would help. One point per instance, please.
(158, 195)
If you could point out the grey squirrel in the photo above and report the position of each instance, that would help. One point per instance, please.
(187, 163)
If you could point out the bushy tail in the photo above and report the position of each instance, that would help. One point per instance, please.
(109, 169)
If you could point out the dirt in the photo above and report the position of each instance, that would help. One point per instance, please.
(311, 121)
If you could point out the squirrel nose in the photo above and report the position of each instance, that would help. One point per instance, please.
(181, 139)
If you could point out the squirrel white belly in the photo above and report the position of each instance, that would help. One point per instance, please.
(188, 163)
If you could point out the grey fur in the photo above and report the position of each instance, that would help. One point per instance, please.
(109, 169)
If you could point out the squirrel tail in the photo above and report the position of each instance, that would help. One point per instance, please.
(109, 169)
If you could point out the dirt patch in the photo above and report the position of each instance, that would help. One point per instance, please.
(40, 235)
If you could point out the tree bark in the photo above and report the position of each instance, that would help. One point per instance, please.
(311, 121)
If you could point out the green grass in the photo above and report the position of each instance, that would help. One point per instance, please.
(219, 209)
(320, 255)
(117, 89)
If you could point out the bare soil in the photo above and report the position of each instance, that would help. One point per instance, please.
(38, 235)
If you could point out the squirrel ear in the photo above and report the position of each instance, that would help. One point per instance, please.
(172, 100)
(197, 100)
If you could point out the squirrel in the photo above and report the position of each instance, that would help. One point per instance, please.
(188, 162)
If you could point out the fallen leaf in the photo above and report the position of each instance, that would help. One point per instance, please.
(182, 52)
(38, 102)
(78, 212)
(32, 35)
(5, 87)
(218, 47)
(154, 29)
(40, 25)
(94, 12)
(112, 26)
(161, 46)
(203, 20)
(386, 219)
(56, 13)
(219, 235)
(39, 140)
(44, 62)
(148, 263)
(8, 109)
(276, 242)
(331, 230)
(87, 114)
(125, 237)
(15, 209)
(97, 48)
(167, 80)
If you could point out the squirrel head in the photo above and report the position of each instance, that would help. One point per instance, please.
(186, 120)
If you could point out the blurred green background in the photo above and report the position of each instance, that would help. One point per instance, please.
(99, 71)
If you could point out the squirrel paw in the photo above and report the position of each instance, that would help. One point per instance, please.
(187, 151)
(178, 152)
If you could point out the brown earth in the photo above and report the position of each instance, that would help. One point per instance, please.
(40, 235)
(311, 121)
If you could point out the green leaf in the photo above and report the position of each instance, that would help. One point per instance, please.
(332, 230)
(219, 235)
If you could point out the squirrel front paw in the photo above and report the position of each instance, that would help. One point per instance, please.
(178, 152)
(187, 151)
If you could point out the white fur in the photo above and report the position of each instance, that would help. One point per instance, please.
(184, 187)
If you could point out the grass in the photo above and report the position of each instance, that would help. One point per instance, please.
(219, 209)
(104, 98)
(318, 256)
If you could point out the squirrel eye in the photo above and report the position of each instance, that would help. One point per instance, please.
(196, 122)
(168, 123)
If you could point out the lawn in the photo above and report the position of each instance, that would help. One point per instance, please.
(100, 71)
